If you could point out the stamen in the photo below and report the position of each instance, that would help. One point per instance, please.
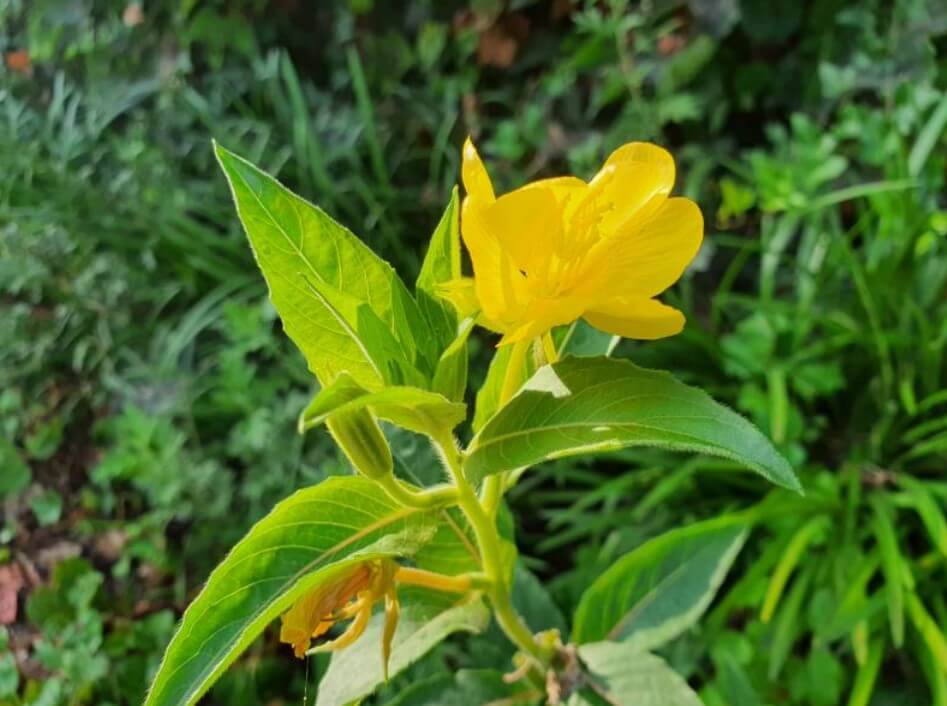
(353, 632)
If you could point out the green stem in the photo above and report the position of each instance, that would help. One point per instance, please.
(491, 494)
(437, 496)
(515, 367)
(549, 348)
(488, 540)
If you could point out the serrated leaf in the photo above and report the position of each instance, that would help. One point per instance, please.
(621, 675)
(343, 306)
(309, 538)
(581, 405)
(412, 408)
(654, 593)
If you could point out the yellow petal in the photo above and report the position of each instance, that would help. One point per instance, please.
(476, 180)
(353, 631)
(308, 617)
(392, 614)
(658, 158)
(649, 257)
(643, 319)
(541, 316)
(565, 189)
(526, 223)
(631, 185)
(568, 192)
(500, 285)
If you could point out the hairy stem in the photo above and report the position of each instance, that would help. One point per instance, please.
(489, 543)
(437, 496)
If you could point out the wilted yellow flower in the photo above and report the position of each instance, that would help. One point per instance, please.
(559, 249)
(352, 596)
(314, 614)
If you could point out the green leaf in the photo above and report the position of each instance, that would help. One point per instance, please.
(660, 589)
(488, 396)
(621, 675)
(16, 475)
(9, 673)
(734, 681)
(932, 517)
(534, 603)
(307, 540)
(46, 507)
(344, 307)
(466, 687)
(931, 633)
(788, 624)
(580, 405)
(892, 566)
(577, 339)
(441, 264)
(794, 552)
(355, 672)
(408, 407)
(582, 339)
(450, 375)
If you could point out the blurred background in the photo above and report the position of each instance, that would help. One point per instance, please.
(148, 396)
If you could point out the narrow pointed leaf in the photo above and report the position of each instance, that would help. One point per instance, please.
(450, 375)
(339, 302)
(580, 405)
(308, 539)
(892, 567)
(660, 589)
(441, 264)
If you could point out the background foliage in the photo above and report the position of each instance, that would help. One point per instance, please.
(148, 398)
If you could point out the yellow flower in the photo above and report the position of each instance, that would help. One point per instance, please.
(351, 596)
(559, 249)
(313, 615)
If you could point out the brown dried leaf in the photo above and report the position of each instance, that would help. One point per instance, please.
(496, 48)
(20, 62)
(11, 581)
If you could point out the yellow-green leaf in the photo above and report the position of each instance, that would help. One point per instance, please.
(412, 408)
(308, 539)
(343, 306)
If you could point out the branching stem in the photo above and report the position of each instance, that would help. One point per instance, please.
(437, 496)
(491, 555)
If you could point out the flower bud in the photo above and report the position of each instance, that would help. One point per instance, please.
(358, 435)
